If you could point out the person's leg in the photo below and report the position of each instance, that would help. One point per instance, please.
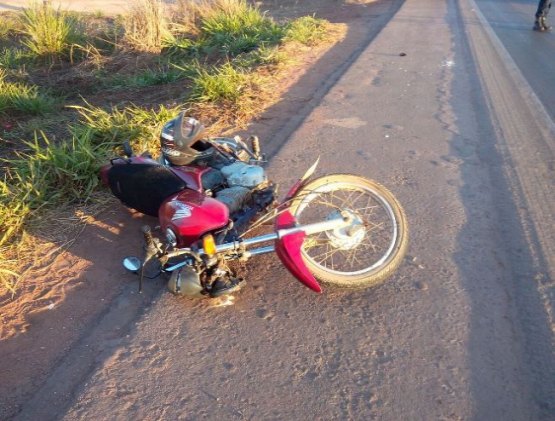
(543, 9)
(543, 19)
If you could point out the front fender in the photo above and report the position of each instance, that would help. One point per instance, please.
(288, 249)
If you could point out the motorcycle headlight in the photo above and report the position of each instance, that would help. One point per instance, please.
(171, 237)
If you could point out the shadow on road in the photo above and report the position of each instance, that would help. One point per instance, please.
(517, 261)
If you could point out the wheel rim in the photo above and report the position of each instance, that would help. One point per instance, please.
(363, 246)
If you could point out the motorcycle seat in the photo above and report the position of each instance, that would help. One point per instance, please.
(144, 186)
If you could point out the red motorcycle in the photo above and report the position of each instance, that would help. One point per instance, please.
(210, 194)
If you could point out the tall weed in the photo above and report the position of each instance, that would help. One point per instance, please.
(146, 26)
(50, 33)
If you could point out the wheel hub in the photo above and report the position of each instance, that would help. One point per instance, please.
(350, 236)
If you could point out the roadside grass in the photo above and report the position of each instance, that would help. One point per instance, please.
(150, 77)
(44, 176)
(146, 26)
(226, 55)
(15, 59)
(9, 28)
(140, 126)
(227, 28)
(220, 84)
(234, 27)
(48, 173)
(50, 34)
(262, 56)
(307, 30)
(23, 98)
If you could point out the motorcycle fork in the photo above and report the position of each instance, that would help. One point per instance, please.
(239, 248)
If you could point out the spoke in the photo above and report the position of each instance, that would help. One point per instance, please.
(312, 242)
(327, 203)
(352, 259)
(355, 258)
(368, 208)
(362, 193)
(348, 199)
(327, 255)
(374, 226)
(371, 207)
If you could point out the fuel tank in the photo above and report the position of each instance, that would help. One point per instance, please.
(190, 214)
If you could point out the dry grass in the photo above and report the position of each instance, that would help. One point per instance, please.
(147, 27)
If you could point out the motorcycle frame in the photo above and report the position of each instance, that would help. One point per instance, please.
(240, 247)
(288, 239)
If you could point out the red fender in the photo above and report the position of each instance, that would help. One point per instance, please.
(288, 250)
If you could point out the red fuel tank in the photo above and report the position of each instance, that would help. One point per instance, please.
(191, 214)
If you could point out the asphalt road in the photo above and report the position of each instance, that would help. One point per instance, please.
(464, 330)
(531, 51)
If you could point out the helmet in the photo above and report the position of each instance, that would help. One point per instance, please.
(181, 140)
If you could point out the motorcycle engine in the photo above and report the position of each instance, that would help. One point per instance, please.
(185, 282)
(241, 178)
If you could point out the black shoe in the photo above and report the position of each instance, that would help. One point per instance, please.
(543, 23)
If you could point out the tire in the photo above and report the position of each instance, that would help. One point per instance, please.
(369, 250)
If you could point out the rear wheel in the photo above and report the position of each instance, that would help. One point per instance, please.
(367, 251)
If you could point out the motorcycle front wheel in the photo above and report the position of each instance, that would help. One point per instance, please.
(366, 252)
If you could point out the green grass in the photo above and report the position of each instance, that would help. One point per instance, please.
(140, 126)
(238, 29)
(149, 77)
(46, 175)
(14, 58)
(307, 30)
(228, 28)
(50, 34)
(262, 56)
(217, 84)
(24, 99)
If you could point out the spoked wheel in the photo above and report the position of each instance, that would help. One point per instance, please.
(368, 250)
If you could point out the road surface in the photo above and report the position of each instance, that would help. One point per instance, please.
(531, 51)
(464, 330)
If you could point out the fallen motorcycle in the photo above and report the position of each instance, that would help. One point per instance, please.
(211, 194)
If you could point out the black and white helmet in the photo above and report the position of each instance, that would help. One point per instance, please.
(181, 141)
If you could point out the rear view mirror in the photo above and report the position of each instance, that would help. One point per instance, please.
(127, 151)
(132, 264)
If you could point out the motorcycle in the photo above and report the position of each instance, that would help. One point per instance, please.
(339, 229)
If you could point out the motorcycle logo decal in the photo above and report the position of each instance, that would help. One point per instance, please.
(183, 211)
